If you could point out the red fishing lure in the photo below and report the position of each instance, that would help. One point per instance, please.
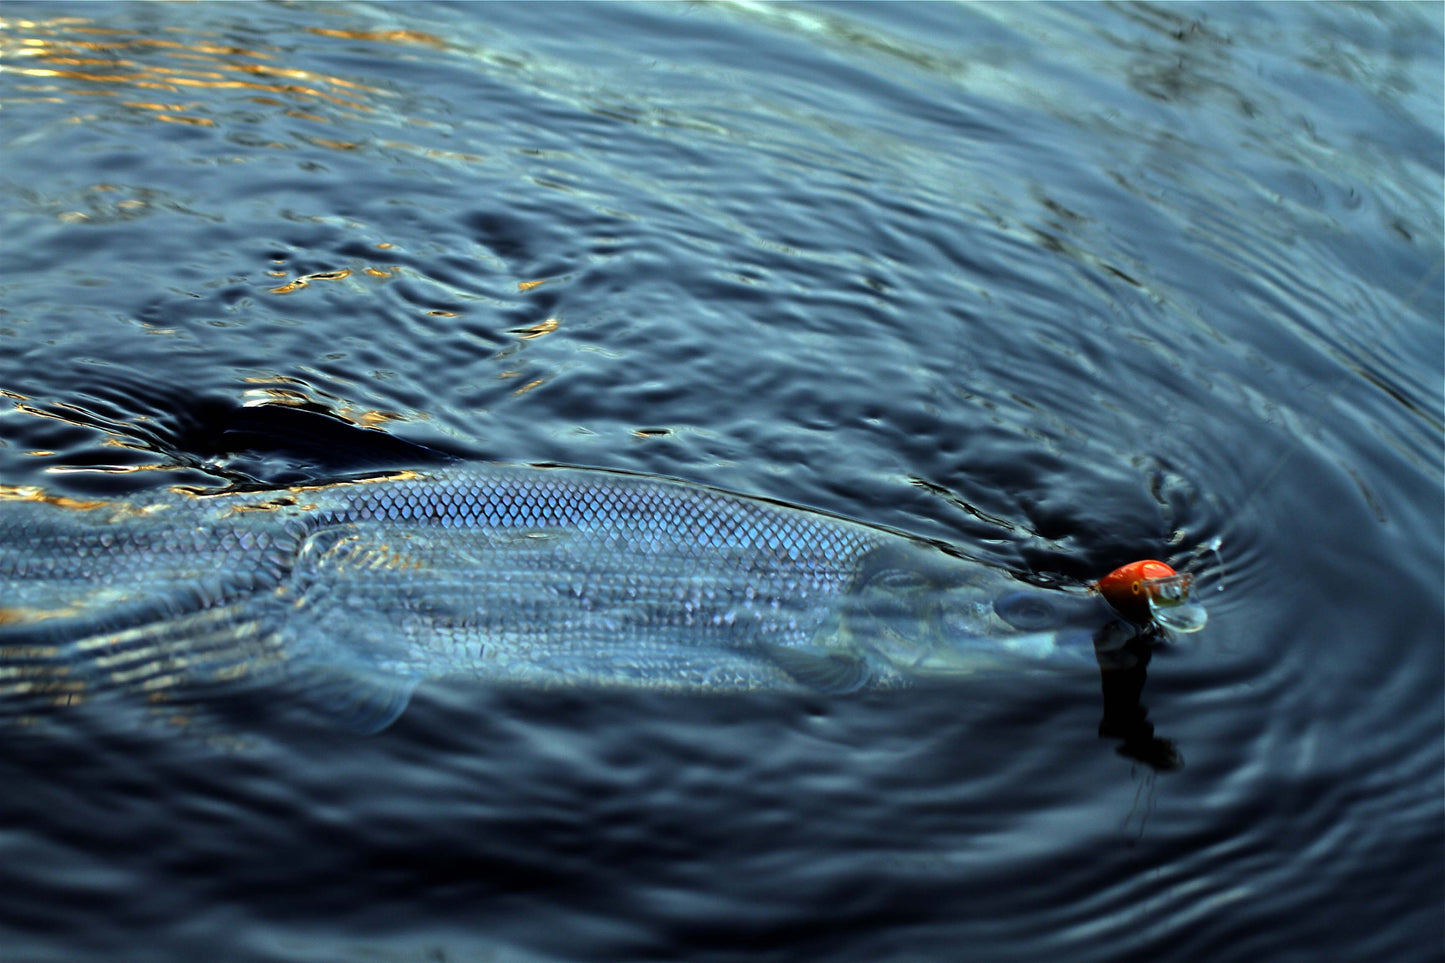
(1138, 591)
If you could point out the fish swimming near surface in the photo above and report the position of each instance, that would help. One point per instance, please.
(354, 591)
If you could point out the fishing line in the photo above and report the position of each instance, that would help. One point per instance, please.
(1213, 545)
(1334, 390)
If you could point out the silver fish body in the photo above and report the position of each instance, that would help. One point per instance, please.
(546, 576)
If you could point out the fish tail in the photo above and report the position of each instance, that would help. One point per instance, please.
(160, 659)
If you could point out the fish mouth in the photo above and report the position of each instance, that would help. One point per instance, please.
(939, 633)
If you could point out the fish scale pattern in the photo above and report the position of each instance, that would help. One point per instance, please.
(625, 505)
(559, 575)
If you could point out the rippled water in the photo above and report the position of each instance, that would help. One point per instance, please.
(1062, 285)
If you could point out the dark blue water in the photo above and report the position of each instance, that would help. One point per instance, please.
(1062, 285)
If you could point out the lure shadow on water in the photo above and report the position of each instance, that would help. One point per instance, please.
(1122, 673)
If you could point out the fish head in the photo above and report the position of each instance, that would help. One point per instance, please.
(930, 615)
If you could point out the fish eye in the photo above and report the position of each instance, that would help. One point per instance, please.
(1027, 610)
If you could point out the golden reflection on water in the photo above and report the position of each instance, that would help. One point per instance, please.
(254, 93)
(32, 493)
(299, 394)
(301, 282)
(383, 36)
(537, 330)
(67, 58)
(105, 61)
(148, 73)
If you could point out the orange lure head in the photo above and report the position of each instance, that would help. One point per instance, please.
(1148, 591)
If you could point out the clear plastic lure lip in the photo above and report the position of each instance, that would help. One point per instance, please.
(1167, 590)
(1169, 605)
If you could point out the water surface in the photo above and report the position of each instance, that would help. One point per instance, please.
(1063, 286)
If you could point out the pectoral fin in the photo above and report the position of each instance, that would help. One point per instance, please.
(836, 673)
(362, 700)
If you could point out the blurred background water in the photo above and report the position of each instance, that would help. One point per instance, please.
(1061, 285)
